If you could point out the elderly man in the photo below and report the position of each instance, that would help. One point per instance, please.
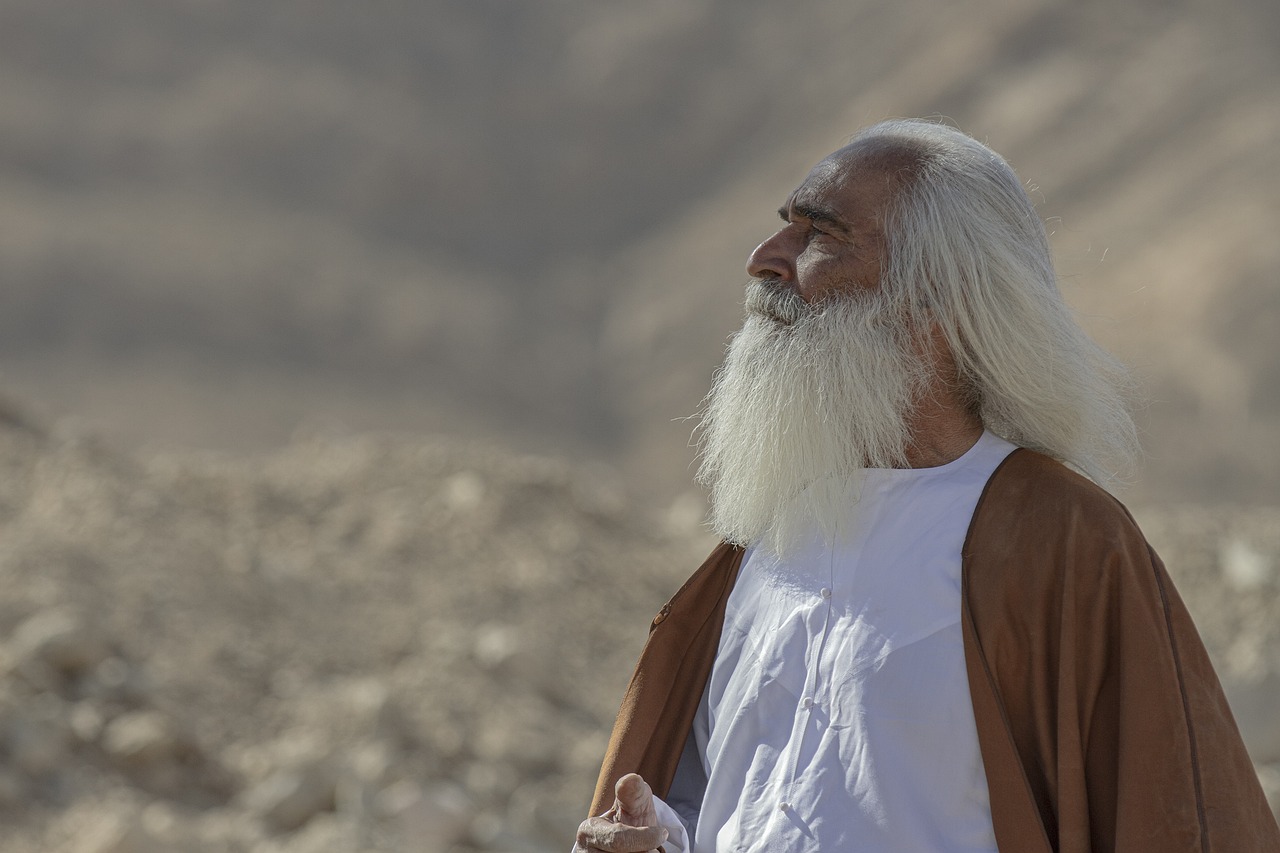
(924, 631)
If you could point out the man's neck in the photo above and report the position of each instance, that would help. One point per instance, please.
(941, 432)
(943, 424)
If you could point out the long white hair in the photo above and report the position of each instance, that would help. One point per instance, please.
(812, 395)
(967, 249)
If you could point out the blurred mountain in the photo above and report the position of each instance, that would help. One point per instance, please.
(223, 222)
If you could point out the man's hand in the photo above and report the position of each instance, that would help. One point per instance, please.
(631, 826)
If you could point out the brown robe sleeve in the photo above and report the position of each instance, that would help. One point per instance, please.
(1101, 722)
(661, 700)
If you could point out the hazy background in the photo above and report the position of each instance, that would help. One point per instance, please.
(221, 222)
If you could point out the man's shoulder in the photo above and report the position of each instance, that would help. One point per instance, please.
(1032, 491)
(706, 589)
(1039, 523)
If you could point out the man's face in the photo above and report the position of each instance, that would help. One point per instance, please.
(833, 240)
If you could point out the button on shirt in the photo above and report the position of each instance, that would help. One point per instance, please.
(837, 715)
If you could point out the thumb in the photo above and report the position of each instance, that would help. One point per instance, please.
(635, 801)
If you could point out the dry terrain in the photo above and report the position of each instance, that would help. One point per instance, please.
(381, 643)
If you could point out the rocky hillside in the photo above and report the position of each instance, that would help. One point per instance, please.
(528, 221)
(374, 644)
(379, 643)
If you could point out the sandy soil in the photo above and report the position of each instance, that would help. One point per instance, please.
(377, 643)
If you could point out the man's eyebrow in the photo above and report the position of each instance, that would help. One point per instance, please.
(813, 213)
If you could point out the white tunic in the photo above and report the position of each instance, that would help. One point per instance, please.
(837, 715)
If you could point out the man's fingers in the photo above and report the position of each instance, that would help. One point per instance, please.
(630, 826)
(620, 838)
(599, 833)
(634, 794)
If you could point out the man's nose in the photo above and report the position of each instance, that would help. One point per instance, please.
(772, 259)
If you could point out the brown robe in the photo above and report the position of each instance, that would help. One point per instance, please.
(1101, 723)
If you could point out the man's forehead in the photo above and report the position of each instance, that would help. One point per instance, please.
(817, 185)
(831, 170)
(844, 185)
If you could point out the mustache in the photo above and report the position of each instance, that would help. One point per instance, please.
(775, 300)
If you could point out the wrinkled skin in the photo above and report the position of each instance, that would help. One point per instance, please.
(833, 238)
(631, 826)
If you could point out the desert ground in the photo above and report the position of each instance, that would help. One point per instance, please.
(383, 643)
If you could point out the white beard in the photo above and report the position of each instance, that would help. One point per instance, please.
(810, 395)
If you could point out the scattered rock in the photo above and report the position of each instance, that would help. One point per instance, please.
(289, 798)
(115, 680)
(86, 721)
(142, 740)
(464, 491)
(12, 788)
(495, 645)
(117, 834)
(427, 819)
(1245, 567)
(56, 641)
(38, 738)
